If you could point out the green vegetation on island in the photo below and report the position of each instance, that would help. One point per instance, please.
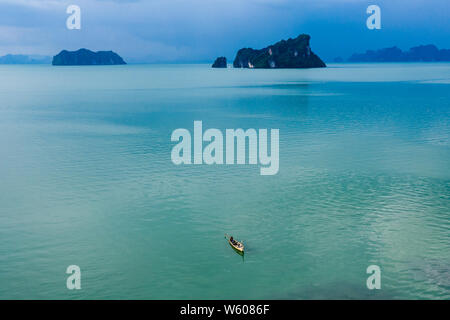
(291, 53)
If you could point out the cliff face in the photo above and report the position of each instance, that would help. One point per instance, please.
(291, 53)
(85, 57)
(221, 62)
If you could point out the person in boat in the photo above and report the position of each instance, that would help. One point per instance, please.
(232, 241)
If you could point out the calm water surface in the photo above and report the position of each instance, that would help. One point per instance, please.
(86, 179)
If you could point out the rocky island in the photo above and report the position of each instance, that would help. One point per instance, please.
(85, 57)
(291, 53)
(221, 62)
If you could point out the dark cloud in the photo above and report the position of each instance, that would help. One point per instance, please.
(200, 30)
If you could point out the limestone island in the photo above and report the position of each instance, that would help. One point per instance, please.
(291, 53)
(221, 62)
(85, 57)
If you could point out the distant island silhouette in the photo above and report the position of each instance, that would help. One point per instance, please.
(221, 62)
(24, 59)
(291, 53)
(423, 53)
(84, 57)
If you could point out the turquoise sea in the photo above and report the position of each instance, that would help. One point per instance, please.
(86, 179)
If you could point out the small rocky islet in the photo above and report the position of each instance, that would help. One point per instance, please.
(221, 62)
(291, 53)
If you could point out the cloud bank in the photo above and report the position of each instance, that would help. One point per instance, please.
(200, 30)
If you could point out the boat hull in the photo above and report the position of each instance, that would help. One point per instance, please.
(238, 249)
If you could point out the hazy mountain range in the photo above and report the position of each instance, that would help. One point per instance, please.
(24, 59)
(423, 53)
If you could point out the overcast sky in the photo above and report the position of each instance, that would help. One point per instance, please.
(200, 30)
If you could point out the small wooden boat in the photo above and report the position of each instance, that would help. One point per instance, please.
(236, 245)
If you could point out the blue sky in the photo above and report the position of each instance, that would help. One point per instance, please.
(200, 30)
